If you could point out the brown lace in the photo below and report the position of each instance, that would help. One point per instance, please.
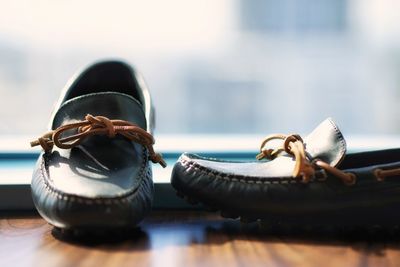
(305, 167)
(382, 174)
(98, 125)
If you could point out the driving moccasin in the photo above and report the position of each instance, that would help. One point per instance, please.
(94, 171)
(310, 181)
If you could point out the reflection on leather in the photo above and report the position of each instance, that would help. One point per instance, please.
(86, 169)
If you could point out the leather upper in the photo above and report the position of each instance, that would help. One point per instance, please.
(326, 143)
(264, 189)
(99, 166)
(103, 181)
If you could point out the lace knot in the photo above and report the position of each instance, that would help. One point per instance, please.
(294, 145)
(291, 139)
(98, 125)
(44, 142)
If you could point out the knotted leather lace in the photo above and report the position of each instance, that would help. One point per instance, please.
(98, 125)
(305, 167)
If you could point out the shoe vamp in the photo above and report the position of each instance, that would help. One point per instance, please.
(99, 167)
(280, 167)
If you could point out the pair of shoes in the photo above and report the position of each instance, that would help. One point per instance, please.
(94, 171)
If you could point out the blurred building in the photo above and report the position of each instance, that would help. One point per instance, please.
(292, 64)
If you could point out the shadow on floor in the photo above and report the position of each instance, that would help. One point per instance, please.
(159, 234)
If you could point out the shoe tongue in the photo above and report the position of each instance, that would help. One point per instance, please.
(326, 143)
(112, 105)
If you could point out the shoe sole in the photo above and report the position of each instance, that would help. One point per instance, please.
(281, 222)
(95, 235)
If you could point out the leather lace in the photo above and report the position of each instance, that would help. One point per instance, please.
(305, 167)
(98, 125)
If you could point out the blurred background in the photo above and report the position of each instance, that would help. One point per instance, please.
(237, 67)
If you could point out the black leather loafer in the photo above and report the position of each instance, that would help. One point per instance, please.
(94, 172)
(296, 181)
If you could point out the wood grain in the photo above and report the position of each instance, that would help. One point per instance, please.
(190, 238)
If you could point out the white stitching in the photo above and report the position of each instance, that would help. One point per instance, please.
(341, 139)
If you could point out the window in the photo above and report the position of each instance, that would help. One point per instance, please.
(231, 69)
(341, 61)
(294, 16)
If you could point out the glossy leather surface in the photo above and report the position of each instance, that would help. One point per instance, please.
(100, 166)
(103, 182)
(266, 189)
(325, 143)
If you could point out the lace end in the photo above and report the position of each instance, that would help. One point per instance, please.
(260, 156)
(44, 142)
(34, 143)
(163, 163)
(157, 158)
(266, 154)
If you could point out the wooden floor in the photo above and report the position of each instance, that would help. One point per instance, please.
(189, 238)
